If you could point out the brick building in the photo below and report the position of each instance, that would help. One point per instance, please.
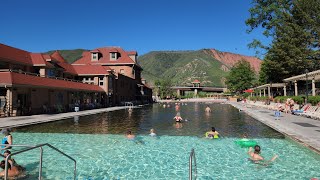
(34, 83)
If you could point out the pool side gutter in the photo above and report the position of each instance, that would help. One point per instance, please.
(10, 122)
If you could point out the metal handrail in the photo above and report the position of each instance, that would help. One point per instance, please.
(40, 163)
(192, 157)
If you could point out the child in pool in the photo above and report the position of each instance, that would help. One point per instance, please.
(152, 133)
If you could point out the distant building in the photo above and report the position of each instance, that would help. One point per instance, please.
(34, 83)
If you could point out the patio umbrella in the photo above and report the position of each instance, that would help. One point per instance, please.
(248, 91)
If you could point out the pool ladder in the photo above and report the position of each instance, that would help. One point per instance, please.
(31, 147)
(191, 159)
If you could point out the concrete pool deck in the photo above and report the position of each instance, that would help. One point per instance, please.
(302, 129)
(42, 118)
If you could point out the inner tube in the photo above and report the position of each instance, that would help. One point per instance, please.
(246, 143)
(207, 136)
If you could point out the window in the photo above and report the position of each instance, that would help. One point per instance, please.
(95, 56)
(101, 83)
(121, 71)
(113, 55)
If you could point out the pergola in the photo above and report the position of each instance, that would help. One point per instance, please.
(313, 76)
(269, 86)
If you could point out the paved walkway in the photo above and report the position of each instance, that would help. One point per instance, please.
(305, 130)
(36, 119)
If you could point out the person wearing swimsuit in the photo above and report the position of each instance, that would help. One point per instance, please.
(257, 158)
(213, 133)
(6, 140)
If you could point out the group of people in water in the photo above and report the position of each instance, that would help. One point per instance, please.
(14, 169)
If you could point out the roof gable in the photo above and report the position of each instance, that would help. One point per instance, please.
(105, 59)
(11, 54)
(57, 56)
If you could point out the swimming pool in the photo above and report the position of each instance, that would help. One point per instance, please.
(98, 144)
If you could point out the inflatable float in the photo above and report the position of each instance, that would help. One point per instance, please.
(214, 137)
(246, 143)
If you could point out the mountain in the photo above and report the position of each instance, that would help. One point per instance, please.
(70, 55)
(209, 66)
(230, 59)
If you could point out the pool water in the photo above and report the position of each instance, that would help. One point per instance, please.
(102, 152)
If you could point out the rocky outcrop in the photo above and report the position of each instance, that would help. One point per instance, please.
(230, 59)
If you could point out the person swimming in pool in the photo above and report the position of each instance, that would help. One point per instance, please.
(129, 135)
(213, 133)
(178, 118)
(13, 171)
(10, 160)
(208, 109)
(257, 158)
(152, 133)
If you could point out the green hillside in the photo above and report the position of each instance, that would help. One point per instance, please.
(69, 55)
(182, 67)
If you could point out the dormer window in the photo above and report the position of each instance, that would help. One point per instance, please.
(95, 55)
(113, 56)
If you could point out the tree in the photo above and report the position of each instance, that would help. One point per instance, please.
(241, 77)
(294, 27)
(164, 87)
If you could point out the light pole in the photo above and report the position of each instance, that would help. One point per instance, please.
(306, 71)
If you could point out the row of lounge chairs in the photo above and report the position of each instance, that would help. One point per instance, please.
(306, 110)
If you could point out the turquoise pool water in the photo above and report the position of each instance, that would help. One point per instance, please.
(102, 151)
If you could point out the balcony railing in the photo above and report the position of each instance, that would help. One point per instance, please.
(35, 74)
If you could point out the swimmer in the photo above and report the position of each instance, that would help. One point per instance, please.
(207, 110)
(213, 133)
(13, 171)
(129, 135)
(178, 118)
(152, 133)
(10, 160)
(130, 109)
(7, 139)
(257, 158)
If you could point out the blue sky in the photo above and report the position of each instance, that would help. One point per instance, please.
(142, 25)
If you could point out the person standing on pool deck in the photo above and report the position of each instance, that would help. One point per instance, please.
(7, 139)
(255, 155)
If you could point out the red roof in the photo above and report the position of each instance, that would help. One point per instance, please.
(37, 59)
(95, 51)
(11, 54)
(11, 78)
(132, 53)
(57, 56)
(91, 69)
(105, 59)
(68, 68)
(196, 81)
(46, 56)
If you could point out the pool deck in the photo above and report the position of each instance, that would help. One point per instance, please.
(36, 119)
(302, 129)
